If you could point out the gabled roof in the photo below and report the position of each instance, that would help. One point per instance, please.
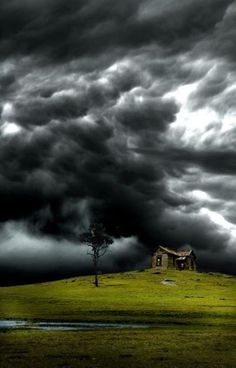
(180, 253)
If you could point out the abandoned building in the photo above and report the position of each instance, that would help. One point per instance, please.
(165, 258)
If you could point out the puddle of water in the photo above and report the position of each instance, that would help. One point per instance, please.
(12, 324)
(66, 326)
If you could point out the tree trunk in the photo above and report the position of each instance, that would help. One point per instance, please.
(96, 279)
(96, 272)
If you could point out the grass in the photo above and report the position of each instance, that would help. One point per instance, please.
(193, 321)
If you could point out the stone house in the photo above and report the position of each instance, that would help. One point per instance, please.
(165, 258)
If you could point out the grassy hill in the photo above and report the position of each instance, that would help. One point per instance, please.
(193, 317)
(133, 296)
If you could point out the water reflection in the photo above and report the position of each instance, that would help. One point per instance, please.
(66, 326)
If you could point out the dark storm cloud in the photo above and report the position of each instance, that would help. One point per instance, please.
(81, 146)
(222, 41)
(149, 114)
(46, 97)
(62, 30)
(7, 81)
(214, 161)
(198, 235)
(86, 118)
(215, 82)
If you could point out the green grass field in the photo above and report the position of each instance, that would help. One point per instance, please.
(193, 321)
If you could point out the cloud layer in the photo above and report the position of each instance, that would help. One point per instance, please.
(123, 114)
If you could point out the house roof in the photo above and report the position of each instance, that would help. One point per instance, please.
(179, 253)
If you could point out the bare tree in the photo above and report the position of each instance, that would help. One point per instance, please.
(98, 240)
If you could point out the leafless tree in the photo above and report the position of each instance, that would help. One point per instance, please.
(98, 241)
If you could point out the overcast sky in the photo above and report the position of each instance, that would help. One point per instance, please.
(122, 113)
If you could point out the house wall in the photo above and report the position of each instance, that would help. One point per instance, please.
(190, 263)
(164, 256)
(168, 261)
(154, 261)
(165, 261)
(187, 264)
(171, 262)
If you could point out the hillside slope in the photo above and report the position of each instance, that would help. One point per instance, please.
(192, 318)
(188, 297)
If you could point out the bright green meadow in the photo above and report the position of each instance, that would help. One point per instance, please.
(192, 319)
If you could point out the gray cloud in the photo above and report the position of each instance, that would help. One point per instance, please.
(42, 28)
(118, 114)
(24, 253)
